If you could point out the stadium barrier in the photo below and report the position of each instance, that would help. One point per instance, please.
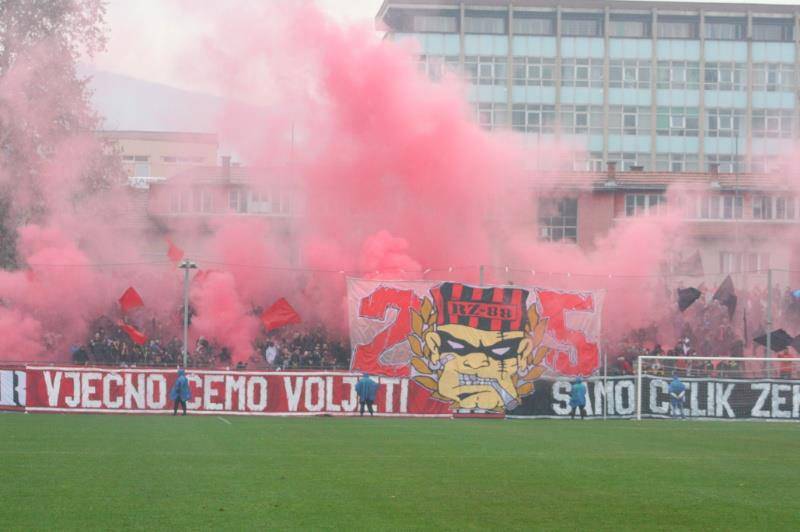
(146, 391)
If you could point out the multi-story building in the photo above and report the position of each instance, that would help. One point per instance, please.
(663, 86)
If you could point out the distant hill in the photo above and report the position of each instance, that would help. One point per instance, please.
(133, 104)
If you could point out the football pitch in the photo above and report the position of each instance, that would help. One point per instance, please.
(204, 472)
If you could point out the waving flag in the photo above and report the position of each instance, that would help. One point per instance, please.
(137, 336)
(279, 314)
(130, 300)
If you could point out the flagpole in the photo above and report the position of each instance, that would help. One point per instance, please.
(186, 265)
(769, 312)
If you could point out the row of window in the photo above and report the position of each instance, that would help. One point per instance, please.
(636, 120)
(717, 207)
(592, 25)
(623, 73)
(201, 200)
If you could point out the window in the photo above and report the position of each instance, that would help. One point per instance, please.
(677, 27)
(489, 70)
(678, 121)
(180, 201)
(587, 162)
(177, 159)
(141, 164)
(725, 76)
(434, 24)
(558, 219)
(581, 72)
(724, 122)
(645, 204)
(626, 160)
(677, 162)
(582, 119)
(773, 77)
(678, 75)
(716, 207)
(727, 164)
(631, 26)
(629, 73)
(574, 25)
(436, 66)
(533, 25)
(492, 115)
(237, 200)
(534, 71)
(735, 262)
(775, 208)
(533, 118)
(629, 120)
(727, 29)
(772, 123)
(484, 23)
(203, 200)
(766, 29)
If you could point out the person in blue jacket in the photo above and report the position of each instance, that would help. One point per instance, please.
(577, 398)
(366, 389)
(677, 391)
(180, 392)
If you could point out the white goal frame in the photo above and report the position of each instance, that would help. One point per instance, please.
(793, 360)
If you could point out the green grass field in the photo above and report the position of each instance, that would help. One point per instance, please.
(153, 472)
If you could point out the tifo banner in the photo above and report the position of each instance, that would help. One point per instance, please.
(473, 347)
(66, 389)
(12, 389)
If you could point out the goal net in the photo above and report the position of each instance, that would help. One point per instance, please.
(718, 388)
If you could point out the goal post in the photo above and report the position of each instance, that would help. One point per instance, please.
(751, 388)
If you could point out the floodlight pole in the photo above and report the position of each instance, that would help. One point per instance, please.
(769, 311)
(605, 382)
(186, 265)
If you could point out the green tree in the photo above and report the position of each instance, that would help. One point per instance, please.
(45, 112)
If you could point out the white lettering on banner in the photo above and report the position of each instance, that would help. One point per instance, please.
(12, 388)
(350, 404)
(320, 402)
(778, 400)
(52, 382)
(234, 385)
(197, 398)
(796, 400)
(758, 408)
(710, 398)
(624, 393)
(694, 401)
(390, 383)
(561, 395)
(107, 401)
(404, 396)
(75, 399)
(210, 393)
(329, 404)
(152, 402)
(262, 394)
(723, 394)
(600, 394)
(134, 393)
(589, 409)
(88, 389)
(293, 392)
(656, 386)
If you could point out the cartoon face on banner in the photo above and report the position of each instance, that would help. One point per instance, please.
(475, 348)
(479, 348)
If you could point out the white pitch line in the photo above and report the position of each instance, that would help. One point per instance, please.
(224, 420)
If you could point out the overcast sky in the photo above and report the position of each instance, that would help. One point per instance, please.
(146, 37)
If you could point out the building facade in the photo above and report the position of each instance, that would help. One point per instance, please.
(662, 86)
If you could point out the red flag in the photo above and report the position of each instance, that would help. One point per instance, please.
(130, 300)
(174, 253)
(279, 314)
(133, 333)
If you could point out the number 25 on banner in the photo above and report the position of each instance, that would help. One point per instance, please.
(376, 306)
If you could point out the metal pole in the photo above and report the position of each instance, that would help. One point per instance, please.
(769, 312)
(639, 389)
(605, 383)
(185, 267)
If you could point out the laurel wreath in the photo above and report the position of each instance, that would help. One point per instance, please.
(426, 372)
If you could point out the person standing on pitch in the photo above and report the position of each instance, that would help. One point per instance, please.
(366, 389)
(677, 391)
(180, 392)
(577, 398)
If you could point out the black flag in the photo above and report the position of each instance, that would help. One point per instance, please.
(796, 343)
(780, 340)
(687, 296)
(726, 295)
